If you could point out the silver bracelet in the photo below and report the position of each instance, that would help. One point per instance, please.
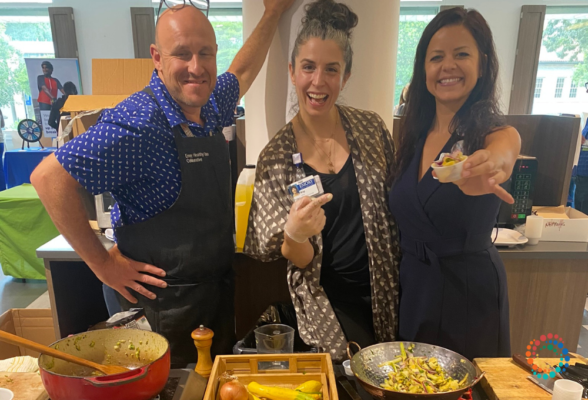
(290, 236)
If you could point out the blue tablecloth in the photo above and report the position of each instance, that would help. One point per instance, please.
(19, 164)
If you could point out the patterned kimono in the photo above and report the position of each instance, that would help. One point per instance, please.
(372, 152)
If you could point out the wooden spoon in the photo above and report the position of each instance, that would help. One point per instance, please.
(29, 344)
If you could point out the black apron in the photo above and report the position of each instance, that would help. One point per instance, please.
(193, 242)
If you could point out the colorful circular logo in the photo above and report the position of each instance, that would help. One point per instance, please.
(548, 342)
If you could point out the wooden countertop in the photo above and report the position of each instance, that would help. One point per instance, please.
(505, 380)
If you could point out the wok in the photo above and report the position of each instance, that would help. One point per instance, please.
(365, 366)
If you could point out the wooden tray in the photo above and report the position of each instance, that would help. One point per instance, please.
(302, 367)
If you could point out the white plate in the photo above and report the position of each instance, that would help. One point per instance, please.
(508, 237)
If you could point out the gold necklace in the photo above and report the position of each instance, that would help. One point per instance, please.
(327, 156)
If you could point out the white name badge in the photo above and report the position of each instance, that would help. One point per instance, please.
(310, 186)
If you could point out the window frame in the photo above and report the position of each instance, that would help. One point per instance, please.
(574, 90)
(538, 87)
(559, 88)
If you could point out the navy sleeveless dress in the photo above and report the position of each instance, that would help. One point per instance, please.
(452, 281)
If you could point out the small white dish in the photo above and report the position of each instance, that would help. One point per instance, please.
(109, 233)
(508, 237)
(450, 173)
(6, 394)
(347, 368)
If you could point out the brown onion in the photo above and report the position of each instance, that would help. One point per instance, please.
(234, 390)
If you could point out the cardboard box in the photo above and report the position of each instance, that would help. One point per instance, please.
(572, 226)
(35, 325)
(46, 142)
(120, 76)
(76, 105)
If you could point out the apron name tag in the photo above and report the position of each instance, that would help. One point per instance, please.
(195, 157)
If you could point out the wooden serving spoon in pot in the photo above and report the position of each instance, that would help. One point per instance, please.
(29, 344)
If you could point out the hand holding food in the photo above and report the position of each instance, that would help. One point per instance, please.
(482, 174)
(449, 166)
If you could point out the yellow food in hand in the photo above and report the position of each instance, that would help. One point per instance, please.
(453, 159)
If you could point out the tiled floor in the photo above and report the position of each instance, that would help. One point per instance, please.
(15, 293)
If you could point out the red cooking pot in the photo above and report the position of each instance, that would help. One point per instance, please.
(146, 353)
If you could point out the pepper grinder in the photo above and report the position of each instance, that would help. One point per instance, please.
(203, 340)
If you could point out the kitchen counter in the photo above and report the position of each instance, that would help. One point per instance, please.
(546, 250)
(77, 299)
(59, 249)
(75, 293)
(505, 380)
(547, 286)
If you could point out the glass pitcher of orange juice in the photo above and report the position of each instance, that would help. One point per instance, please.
(243, 197)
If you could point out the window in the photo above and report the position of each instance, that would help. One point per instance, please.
(573, 90)
(24, 33)
(538, 87)
(559, 87)
(413, 21)
(564, 51)
(228, 26)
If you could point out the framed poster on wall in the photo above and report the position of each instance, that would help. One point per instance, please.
(50, 79)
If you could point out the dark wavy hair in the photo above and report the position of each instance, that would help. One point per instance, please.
(479, 115)
(47, 64)
(70, 88)
(327, 19)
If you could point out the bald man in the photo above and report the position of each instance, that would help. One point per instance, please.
(162, 155)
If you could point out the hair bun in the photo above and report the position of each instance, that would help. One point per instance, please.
(330, 13)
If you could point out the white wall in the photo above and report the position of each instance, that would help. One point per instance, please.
(104, 28)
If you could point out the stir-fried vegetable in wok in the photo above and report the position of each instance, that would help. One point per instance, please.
(412, 374)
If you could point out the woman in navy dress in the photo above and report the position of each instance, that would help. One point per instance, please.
(453, 289)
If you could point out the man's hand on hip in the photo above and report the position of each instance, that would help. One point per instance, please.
(121, 273)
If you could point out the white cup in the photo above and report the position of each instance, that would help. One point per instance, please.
(6, 394)
(347, 368)
(565, 389)
(534, 229)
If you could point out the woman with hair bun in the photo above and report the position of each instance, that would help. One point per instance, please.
(342, 248)
(452, 280)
